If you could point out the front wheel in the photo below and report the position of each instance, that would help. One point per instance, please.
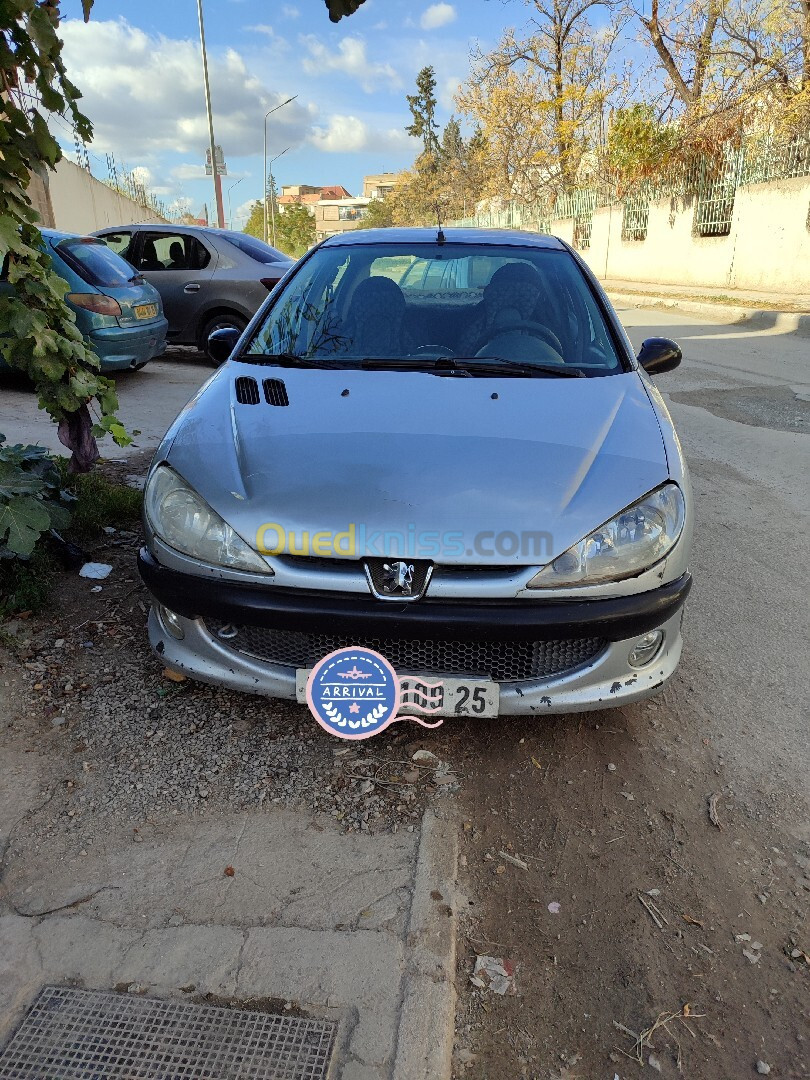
(220, 322)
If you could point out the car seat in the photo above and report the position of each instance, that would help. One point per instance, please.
(149, 259)
(178, 256)
(510, 298)
(375, 319)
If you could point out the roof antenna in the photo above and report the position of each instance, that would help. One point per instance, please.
(440, 237)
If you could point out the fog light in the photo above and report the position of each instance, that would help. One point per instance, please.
(646, 649)
(171, 622)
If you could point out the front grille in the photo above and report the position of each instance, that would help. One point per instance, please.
(502, 661)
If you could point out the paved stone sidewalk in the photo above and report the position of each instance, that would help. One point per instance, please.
(276, 905)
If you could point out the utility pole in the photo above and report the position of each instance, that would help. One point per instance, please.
(217, 178)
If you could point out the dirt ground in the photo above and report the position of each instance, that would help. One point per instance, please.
(659, 909)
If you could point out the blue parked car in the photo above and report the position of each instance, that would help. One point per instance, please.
(120, 314)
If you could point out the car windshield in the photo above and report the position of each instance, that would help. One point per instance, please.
(443, 306)
(256, 249)
(96, 263)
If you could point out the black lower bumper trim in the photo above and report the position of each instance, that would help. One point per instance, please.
(615, 618)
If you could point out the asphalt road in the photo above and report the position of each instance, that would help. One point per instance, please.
(149, 401)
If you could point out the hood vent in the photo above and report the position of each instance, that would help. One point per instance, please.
(275, 392)
(247, 390)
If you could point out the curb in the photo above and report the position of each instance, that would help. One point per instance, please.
(428, 1013)
(785, 322)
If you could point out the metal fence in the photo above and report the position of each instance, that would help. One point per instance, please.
(635, 216)
(713, 184)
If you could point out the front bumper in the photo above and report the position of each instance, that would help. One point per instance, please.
(605, 681)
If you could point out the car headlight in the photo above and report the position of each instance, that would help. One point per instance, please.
(183, 519)
(625, 546)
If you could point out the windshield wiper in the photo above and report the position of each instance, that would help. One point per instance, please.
(431, 364)
(525, 367)
(287, 359)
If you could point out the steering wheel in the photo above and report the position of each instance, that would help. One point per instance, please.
(530, 329)
(444, 350)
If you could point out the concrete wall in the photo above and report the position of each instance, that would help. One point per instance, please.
(768, 247)
(82, 204)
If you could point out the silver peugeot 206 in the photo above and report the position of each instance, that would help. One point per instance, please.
(438, 445)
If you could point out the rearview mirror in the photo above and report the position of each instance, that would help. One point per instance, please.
(222, 342)
(659, 354)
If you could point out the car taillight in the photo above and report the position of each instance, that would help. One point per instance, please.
(95, 302)
(269, 283)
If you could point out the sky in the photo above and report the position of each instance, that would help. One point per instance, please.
(139, 68)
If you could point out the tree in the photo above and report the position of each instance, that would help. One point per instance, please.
(38, 333)
(423, 110)
(540, 98)
(639, 146)
(295, 230)
(379, 215)
(254, 226)
(339, 8)
(683, 37)
(731, 65)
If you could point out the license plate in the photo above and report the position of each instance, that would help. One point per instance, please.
(456, 697)
(146, 311)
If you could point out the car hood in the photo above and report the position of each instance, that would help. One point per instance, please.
(409, 453)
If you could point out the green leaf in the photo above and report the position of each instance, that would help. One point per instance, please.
(16, 481)
(87, 6)
(24, 519)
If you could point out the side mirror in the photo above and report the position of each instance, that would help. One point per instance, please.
(659, 354)
(222, 342)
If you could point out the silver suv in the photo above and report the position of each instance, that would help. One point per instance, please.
(208, 279)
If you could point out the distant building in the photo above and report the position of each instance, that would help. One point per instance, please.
(308, 195)
(333, 216)
(379, 185)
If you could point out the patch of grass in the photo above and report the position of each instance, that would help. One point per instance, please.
(26, 585)
(102, 502)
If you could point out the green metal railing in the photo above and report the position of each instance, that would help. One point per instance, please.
(713, 186)
(635, 217)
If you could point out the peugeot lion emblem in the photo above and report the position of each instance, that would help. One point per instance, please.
(398, 578)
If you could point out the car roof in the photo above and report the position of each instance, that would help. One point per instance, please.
(57, 234)
(157, 226)
(495, 237)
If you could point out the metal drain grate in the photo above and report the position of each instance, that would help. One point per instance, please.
(91, 1035)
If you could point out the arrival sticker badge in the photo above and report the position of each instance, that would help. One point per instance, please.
(355, 693)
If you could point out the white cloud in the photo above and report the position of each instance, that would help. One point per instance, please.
(437, 15)
(349, 134)
(189, 170)
(448, 88)
(290, 12)
(150, 99)
(351, 59)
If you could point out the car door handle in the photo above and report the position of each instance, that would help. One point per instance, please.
(192, 286)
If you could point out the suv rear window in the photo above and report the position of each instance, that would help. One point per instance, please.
(95, 263)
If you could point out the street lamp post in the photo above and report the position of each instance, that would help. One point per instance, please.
(215, 174)
(230, 189)
(268, 113)
(272, 200)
